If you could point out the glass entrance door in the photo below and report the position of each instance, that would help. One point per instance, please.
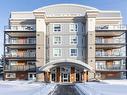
(65, 74)
(77, 77)
(65, 77)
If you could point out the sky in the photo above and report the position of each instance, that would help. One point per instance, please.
(7, 6)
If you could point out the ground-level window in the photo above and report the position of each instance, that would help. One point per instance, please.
(31, 76)
(57, 52)
(10, 75)
(73, 52)
(98, 75)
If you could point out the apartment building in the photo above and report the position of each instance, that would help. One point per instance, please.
(65, 43)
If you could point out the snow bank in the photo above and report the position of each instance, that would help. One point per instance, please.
(107, 87)
(25, 88)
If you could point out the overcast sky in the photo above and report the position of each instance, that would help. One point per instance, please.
(6, 6)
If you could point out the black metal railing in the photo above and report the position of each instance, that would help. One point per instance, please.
(20, 28)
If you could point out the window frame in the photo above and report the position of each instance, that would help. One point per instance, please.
(58, 42)
(57, 54)
(71, 40)
(54, 27)
(73, 54)
(70, 27)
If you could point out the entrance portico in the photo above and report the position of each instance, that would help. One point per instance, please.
(66, 70)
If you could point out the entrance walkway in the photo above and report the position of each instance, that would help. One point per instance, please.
(65, 89)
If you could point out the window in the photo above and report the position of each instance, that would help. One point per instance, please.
(100, 64)
(73, 52)
(13, 62)
(31, 76)
(74, 27)
(100, 53)
(73, 40)
(57, 40)
(57, 52)
(31, 62)
(13, 40)
(13, 53)
(10, 75)
(57, 27)
(99, 40)
(31, 40)
(30, 53)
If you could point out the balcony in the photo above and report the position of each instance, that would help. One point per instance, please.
(110, 30)
(22, 56)
(111, 27)
(27, 43)
(112, 56)
(113, 68)
(20, 68)
(110, 43)
(20, 28)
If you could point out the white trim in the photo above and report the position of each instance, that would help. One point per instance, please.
(53, 63)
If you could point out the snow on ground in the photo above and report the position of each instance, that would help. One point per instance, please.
(105, 87)
(25, 88)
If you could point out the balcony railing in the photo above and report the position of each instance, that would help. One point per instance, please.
(109, 55)
(113, 41)
(111, 68)
(20, 28)
(21, 42)
(105, 54)
(27, 54)
(111, 27)
(20, 68)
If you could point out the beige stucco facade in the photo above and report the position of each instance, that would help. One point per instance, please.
(66, 43)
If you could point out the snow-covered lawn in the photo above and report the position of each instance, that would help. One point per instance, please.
(25, 88)
(106, 87)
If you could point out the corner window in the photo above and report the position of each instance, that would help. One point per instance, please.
(73, 40)
(57, 52)
(57, 40)
(73, 52)
(56, 27)
(73, 27)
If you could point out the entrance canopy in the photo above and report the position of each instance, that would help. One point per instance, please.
(67, 62)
